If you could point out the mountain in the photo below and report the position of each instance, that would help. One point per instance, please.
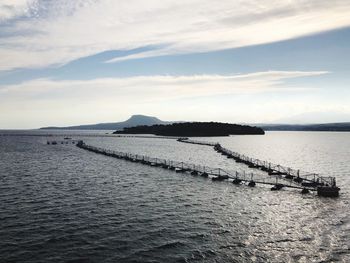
(341, 126)
(134, 120)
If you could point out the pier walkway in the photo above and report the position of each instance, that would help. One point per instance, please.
(216, 174)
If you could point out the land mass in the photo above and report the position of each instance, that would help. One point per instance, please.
(193, 129)
(134, 120)
(340, 127)
(143, 120)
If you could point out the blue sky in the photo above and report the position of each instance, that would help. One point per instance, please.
(75, 62)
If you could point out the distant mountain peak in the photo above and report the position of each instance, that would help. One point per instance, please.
(140, 117)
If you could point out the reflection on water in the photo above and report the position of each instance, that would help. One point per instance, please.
(60, 203)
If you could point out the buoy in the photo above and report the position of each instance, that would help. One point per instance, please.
(251, 184)
(298, 180)
(277, 187)
(305, 191)
(236, 181)
(288, 176)
(204, 174)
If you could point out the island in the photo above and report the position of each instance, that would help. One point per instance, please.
(194, 129)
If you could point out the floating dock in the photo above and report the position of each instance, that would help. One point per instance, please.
(216, 174)
(325, 186)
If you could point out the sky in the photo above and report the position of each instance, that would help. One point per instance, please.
(66, 62)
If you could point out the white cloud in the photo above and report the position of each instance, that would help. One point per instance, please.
(47, 102)
(10, 9)
(63, 30)
(152, 87)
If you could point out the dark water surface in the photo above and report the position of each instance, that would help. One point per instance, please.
(63, 204)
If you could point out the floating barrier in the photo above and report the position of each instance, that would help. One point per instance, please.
(110, 135)
(65, 141)
(217, 174)
(325, 186)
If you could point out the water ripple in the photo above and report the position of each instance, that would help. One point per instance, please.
(62, 204)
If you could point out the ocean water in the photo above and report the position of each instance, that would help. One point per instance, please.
(59, 203)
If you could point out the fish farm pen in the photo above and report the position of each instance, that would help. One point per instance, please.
(324, 185)
(277, 175)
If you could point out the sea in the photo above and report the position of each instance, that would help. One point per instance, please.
(60, 203)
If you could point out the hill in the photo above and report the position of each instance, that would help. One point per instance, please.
(193, 129)
(134, 120)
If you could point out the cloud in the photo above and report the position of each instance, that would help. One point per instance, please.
(45, 101)
(152, 88)
(64, 30)
(10, 9)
